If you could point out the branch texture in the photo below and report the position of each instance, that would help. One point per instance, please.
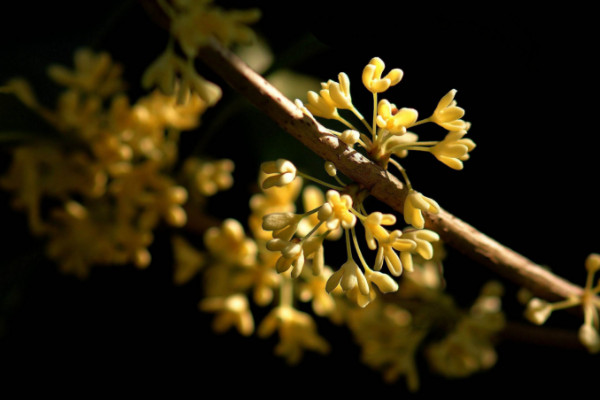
(382, 185)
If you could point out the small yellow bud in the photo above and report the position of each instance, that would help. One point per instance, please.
(330, 168)
(414, 204)
(592, 263)
(350, 137)
(538, 311)
(284, 171)
(589, 337)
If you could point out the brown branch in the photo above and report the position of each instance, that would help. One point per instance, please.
(379, 182)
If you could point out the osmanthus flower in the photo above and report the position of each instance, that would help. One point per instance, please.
(454, 149)
(272, 200)
(339, 92)
(176, 77)
(206, 178)
(261, 278)
(393, 120)
(294, 252)
(372, 79)
(424, 238)
(448, 115)
(414, 204)
(313, 198)
(94, 73)
(279, 173)
(194, 22)
(230, 244)
(321, 105)
(374, 229)
(387, 251)
(384, 282)
(469, 347)
(336, 211)
(297, 332)
(313, 290)
(187, 260)
(348, 277)
(283, 224)
(232, 311)
(538, 310)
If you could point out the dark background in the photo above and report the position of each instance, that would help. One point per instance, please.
(527, 79)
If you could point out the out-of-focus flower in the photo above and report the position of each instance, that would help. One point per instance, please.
(297, 332)
(232, 311)
(230, 244)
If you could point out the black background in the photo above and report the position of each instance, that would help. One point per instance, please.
(527, 79)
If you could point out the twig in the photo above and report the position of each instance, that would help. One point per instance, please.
(380, 183)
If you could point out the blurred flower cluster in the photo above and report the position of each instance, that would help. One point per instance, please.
(99, 188)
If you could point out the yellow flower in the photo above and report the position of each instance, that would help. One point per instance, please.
(312, 198)
(348, 276)
(209, 177)
(453, 150)
(414, 204)
(94, 73)
(336, 212)
(282, 173)
(424, 239)
(393, 120)
(294, 253)
(339, 93)
(538, 311)
(195, 22)
(387, 251)
(232, 311)
(372, 80)
(321, 104)
(230, 244)
(374, 230)
(448, 115)
(187, 260)
(297, 331)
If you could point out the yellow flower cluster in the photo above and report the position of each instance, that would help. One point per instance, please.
(388, 133)
(192, 24)
(539, 310)
(281, 262)
(99, 190)
(339, 210)
(391, 333)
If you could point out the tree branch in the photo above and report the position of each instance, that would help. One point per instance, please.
(381, 184)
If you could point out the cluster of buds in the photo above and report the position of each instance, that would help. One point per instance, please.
(388, 134)
(98, 196)
(539, 310)
(342, 209)
(192, 24)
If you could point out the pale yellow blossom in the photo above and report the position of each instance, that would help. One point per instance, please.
(393, 120)
(232, 311)
(414, 206)
(230, 244)
(281, 172)
(336, 211)
(297, 332)
(448, 115)
(372, 79)
(453, 150)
